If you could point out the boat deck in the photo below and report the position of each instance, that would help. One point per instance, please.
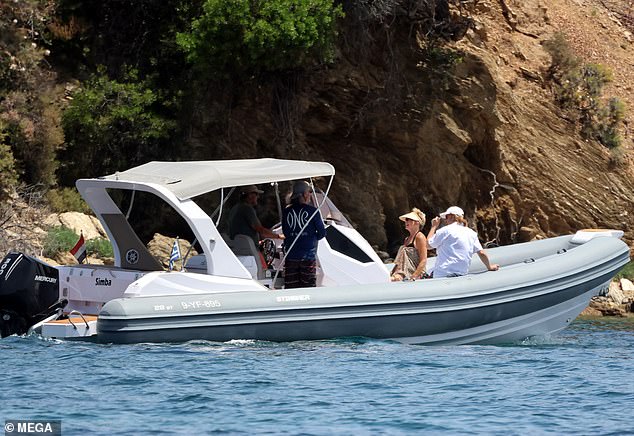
(76, 319)
(73, 327)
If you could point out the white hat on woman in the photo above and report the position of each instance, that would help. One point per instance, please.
(415, 215)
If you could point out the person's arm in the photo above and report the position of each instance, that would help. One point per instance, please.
(285, 230)
(432, 231)
(420, 243)
(266, 233)
(484, 257)
(320, 230)
(256, 225)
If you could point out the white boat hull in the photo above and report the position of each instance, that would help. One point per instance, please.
(537, 298)
(229, 293)
(542, 324)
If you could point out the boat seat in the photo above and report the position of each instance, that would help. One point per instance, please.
(243, 246)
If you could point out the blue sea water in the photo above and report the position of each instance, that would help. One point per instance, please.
(578, 382)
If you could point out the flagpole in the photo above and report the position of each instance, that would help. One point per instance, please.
(179, 252)
(79, 250)
(175, 254)
(81, 232)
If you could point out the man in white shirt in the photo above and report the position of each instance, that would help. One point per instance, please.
(455, 243)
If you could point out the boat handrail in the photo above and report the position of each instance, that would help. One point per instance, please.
(218, 209)
(187, 253)
(34, 327)
(77, 312)
(127, 215)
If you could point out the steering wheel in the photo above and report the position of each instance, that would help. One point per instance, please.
(267, 246)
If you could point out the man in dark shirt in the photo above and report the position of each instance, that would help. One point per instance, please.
(302, 229)
(244, 221)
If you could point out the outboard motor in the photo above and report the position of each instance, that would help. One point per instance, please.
(29, 293)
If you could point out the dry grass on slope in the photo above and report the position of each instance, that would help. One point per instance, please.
(562, 182)
(602, 31)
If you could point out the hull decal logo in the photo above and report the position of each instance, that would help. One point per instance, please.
(291, 298)
(45, 279)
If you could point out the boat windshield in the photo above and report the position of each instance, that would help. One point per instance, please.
(328, 210)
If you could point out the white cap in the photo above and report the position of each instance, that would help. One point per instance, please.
(453, 210)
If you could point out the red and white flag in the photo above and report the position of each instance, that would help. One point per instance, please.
(79, 250)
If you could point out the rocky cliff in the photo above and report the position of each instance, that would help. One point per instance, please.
(471, 122)
(488, 138)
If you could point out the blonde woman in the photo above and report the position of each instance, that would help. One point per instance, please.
(411, 259)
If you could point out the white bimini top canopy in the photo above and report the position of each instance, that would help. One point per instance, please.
(191, 178)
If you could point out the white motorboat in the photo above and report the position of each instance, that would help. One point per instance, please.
(226, 293)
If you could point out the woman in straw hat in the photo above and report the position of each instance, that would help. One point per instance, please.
(411, 258)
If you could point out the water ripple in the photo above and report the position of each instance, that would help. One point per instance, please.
(577, 382)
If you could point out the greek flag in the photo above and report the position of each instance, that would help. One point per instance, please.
(176, 254)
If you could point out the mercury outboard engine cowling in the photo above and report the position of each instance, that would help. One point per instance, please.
(29, 293)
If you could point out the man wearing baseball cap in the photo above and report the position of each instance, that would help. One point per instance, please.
(303, 228)
(244, 221)
(455, 243)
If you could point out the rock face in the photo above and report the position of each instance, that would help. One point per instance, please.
(161, 247)
(488, 138)
(618, 302)
(78, 222)
(478, 130)
(20, 227)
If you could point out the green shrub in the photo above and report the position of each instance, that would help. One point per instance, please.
(244, 36)
(113, 125)
(31, 129)
(610, 118)
(99, 247)
(29, 92)
(22, 43)
(563, 59)
(9, 73)
(8, 173)
(627, 272)
(66, 200)
(618, 157)
(59, 239)
(579, 88)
